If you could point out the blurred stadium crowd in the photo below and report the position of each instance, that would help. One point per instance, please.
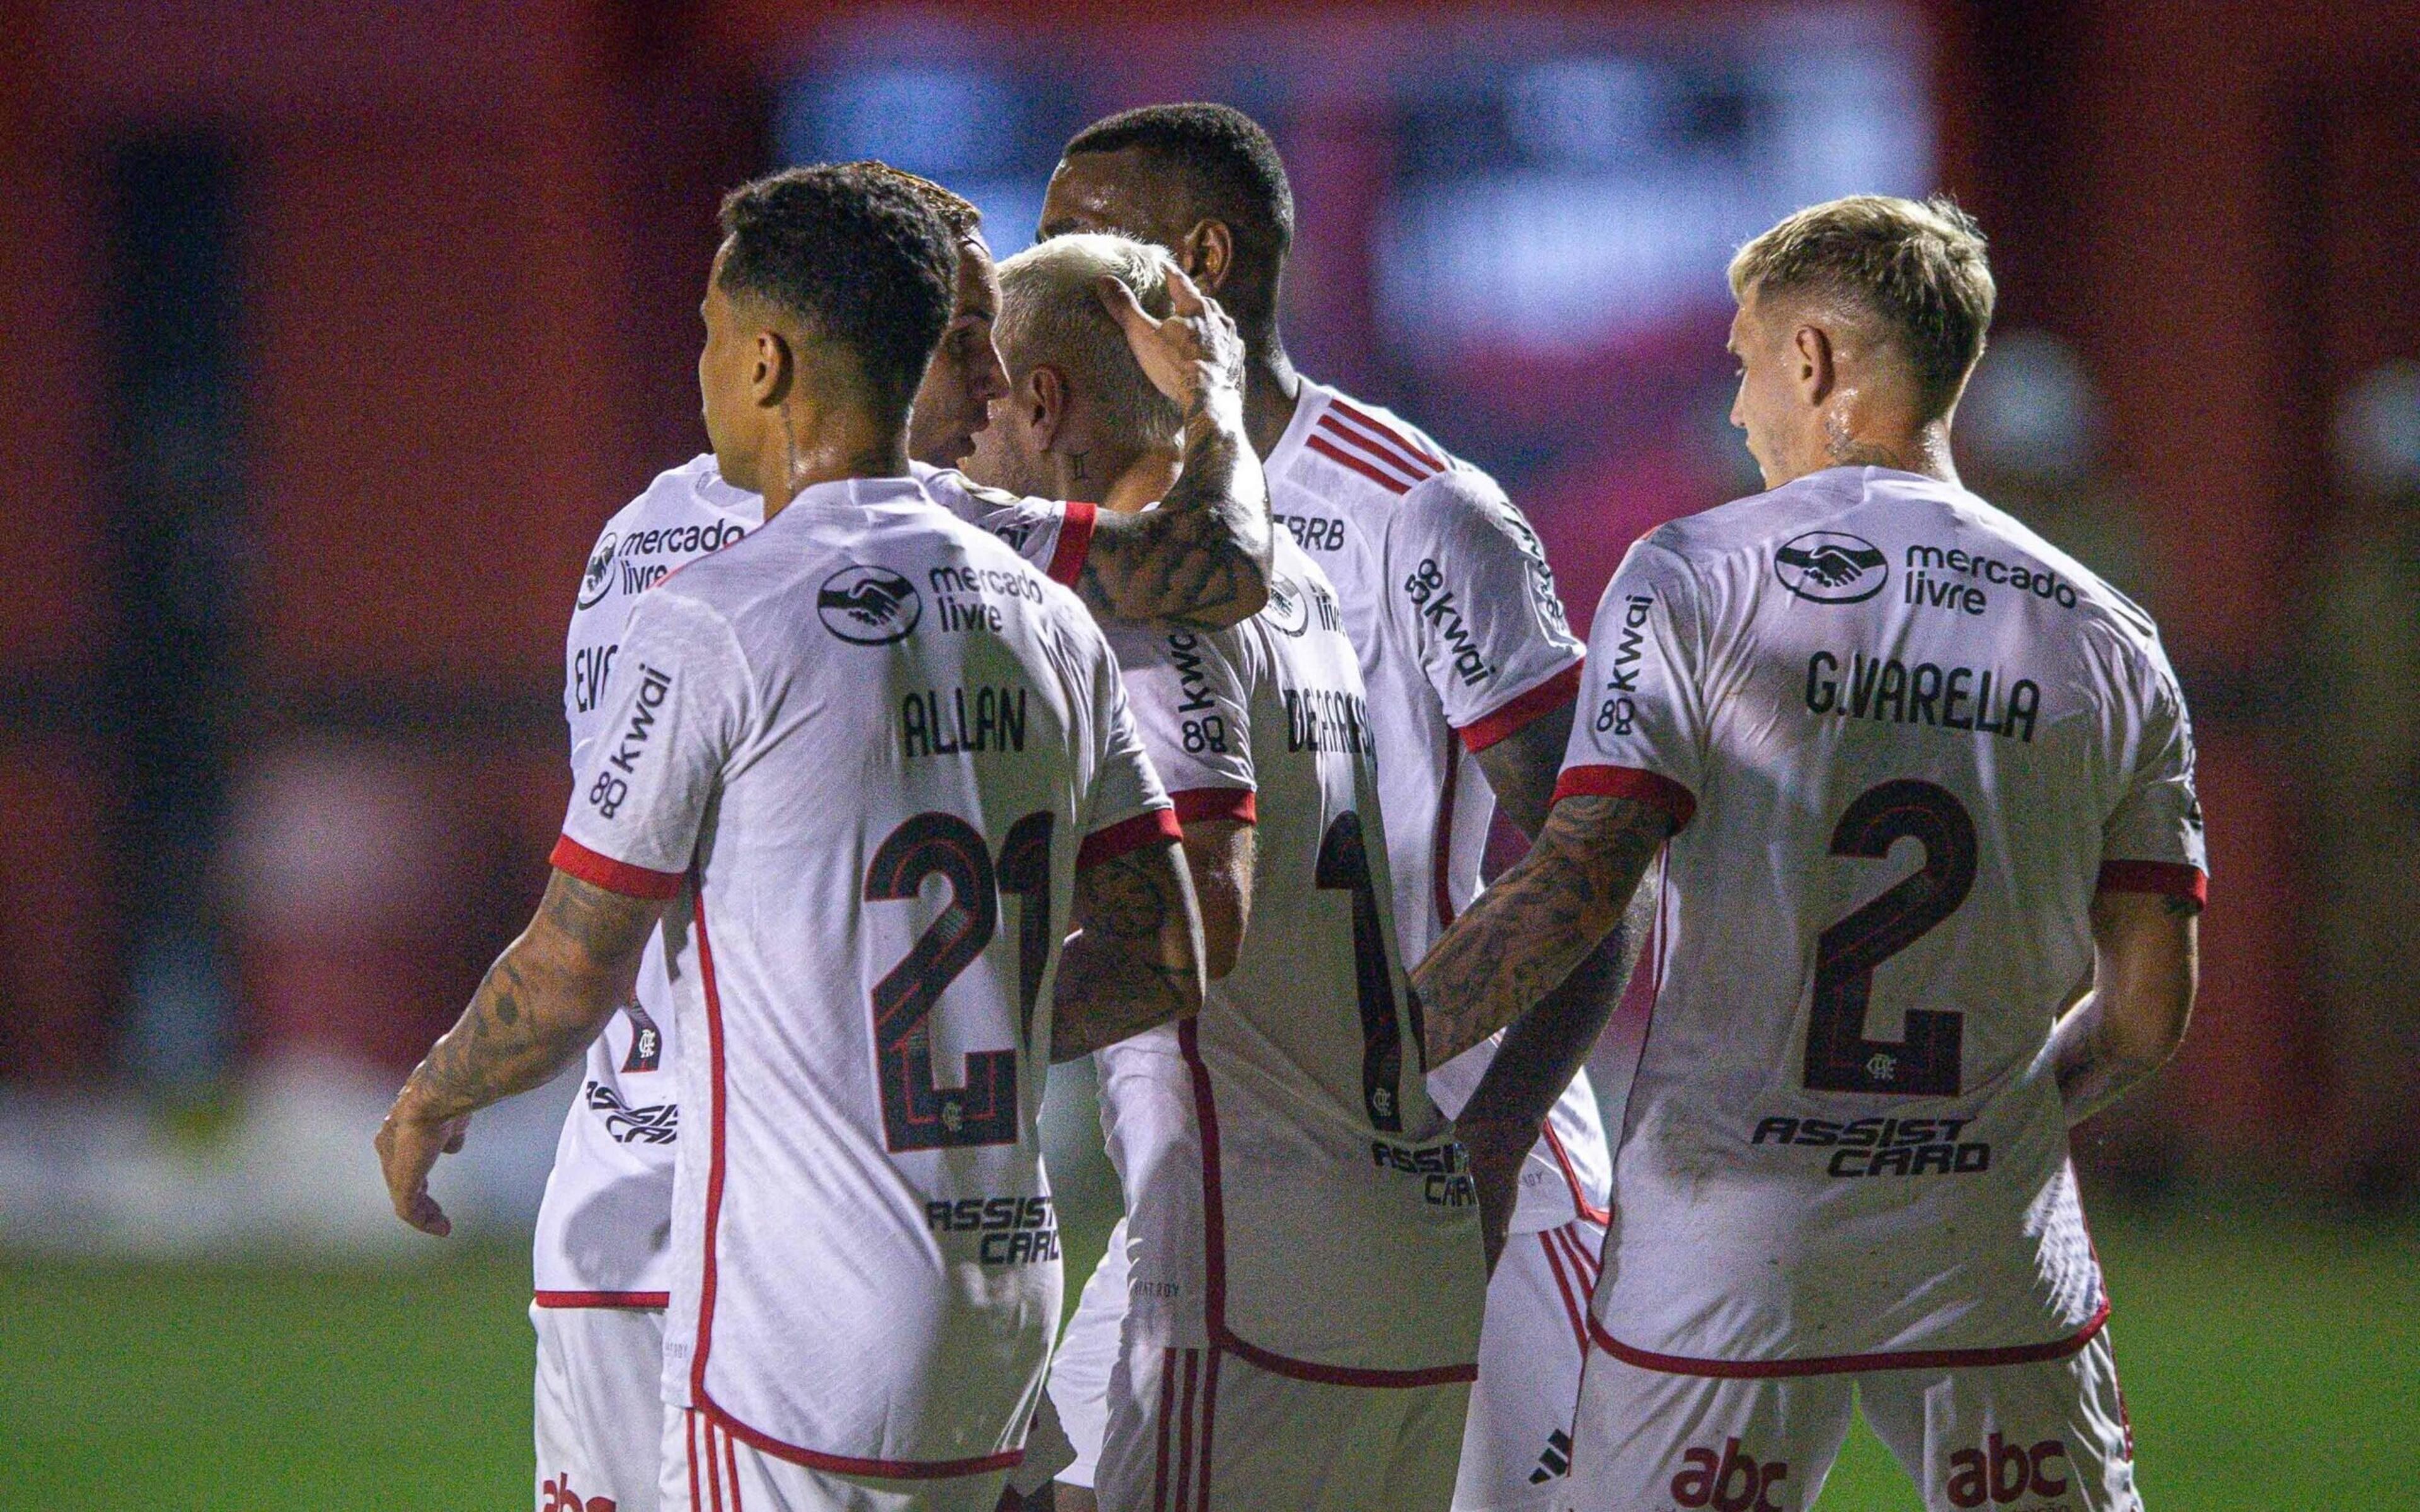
(326, 359)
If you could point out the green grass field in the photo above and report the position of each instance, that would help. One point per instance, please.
(2269, 1364)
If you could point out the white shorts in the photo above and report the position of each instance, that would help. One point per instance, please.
(1088, 1351)
(706, 1470)
(1517, 1447)
(2045, 1437)
(1204, 1430)
(1516, 1444)
(599, 1411)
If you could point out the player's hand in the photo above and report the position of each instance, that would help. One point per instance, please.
(1498, 1149)
(1193, 353)
(408, 1145)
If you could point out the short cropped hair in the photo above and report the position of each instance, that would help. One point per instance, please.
(1230, 166)
(956, 211)
(1918, 269)
(1050, 313)
(854, 255)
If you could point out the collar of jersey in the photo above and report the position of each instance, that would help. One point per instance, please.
(860, 493)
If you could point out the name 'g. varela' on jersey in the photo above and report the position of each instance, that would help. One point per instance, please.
(867, 749)
(1905, 740)
(1293, 1195)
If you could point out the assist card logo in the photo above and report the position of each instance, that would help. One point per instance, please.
(870, 606)
(1831, 567)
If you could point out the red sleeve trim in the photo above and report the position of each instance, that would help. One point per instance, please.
(1074, 543)
(612, 876)
(1650, 788)
(1148, 828)
(625, 1300)
(1518, 713)
(1196, 804)
(2169, 879)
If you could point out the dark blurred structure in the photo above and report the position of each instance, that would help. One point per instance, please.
(333, 338)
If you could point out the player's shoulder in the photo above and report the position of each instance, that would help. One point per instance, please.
(1358, 454)
(683, 512)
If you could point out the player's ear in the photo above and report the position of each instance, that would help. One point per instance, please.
(1207, 254)
(1046, 397)
(775, 370)
(1812, 352)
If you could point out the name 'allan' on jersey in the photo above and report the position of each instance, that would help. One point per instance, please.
(1293, 1196)
(867, 748)
(601, 1229)
(1905, 739)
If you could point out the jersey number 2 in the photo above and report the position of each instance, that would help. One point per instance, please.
(1344, 865)
(1839, 1057)
(916, 1114)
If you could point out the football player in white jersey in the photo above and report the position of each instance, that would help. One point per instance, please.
(865, 1279)
(602, 1262)
(1471, 673)
(1932, 864)
(1306, 1281)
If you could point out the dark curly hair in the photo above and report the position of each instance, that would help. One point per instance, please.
(855, 254)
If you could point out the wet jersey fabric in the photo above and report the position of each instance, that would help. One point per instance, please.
(1906, 739)
(603, 1224)
(1462, 641)
(862, 753)
(1295, 1197)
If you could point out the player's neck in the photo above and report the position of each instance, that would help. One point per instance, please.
(830, 447)
(1923, 451)
(1272, 390)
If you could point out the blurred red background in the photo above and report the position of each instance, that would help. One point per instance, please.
(467, 241)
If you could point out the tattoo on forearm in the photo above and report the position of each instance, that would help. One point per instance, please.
(1201, 558)
(1119, 975)
(535, 1009)
(1526, 932)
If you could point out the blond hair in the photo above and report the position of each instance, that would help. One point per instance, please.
(1050, 313)
(1917, 268)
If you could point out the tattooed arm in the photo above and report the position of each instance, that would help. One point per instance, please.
(540, 1005)
(1136, 961)
(1201, 558)
(1528, 932)
(2147, 963)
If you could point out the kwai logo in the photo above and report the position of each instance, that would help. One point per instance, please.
(870, 606)
(1831, 567)
(598, 580)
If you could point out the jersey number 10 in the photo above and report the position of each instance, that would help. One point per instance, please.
(916, 1114)
(1839, 1057)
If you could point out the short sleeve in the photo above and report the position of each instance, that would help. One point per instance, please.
(1478, 601)
(2152, 841)
(1128, 807)
(1194, 713)
(1640, 728)
(1053, 537)
(673, 712)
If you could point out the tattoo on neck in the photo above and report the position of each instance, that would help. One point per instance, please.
(1076, 465)
(1851, 454)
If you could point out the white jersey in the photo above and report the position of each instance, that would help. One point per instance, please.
(1452, 608)
(1293, 1195)
(603, 1226)
(866, 1263)
(1916, 737)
